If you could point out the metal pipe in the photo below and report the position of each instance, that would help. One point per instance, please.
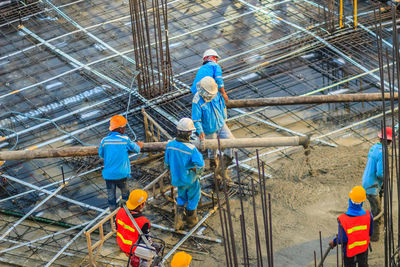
(75, 237)
(299, 100)
(75, 202)
(156, 146)
(43, 238)
(32, 211)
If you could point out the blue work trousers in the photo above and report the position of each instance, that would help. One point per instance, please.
(111, 191)
(189, 195)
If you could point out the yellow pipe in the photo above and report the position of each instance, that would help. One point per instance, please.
(341, 14)
(355, 14)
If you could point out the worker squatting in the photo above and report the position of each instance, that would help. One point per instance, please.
(186, 165)
(183, 160)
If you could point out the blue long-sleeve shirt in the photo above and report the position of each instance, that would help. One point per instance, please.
(114, 149)
(373, 173)
(211, 69)
(208, 117)
(342, 236)
(181, 158)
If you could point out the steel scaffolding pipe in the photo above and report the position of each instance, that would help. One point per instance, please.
(156, 146)
(314, 99)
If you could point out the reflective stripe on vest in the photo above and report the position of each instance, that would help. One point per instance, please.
(126, 242)
(125, 226)
(357, 243)
(357, 230)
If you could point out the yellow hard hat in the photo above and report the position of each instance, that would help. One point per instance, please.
(137, 197)
(181, 259)
(358, 194)
(117, 121)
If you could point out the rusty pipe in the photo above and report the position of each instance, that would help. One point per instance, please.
(79, 151)
(312, 99)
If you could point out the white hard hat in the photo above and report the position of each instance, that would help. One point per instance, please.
(210, 52)
(208, 84)
(185, 125)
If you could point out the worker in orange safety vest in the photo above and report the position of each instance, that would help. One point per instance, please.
(127, 234)
(355, 229)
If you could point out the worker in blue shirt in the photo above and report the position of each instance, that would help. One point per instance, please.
(186, 164)
(373, 178)
(210, 68)
(354, 230)
(209, 116)
(114, 149)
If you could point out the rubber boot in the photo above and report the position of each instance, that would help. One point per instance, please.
(225, 173)
(191, 218)
(375, 235)
(179, 217)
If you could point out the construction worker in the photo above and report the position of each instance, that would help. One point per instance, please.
(186, 164)
(355, 229)
(210, 68)
(181, 259)
(127, 235)
(114, 149)
(209, 116)
(373, 178)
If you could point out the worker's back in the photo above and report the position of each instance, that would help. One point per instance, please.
(114, 148)
(181, 158)
(211, 115)
(211, 69)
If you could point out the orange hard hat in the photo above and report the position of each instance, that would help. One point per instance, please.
(136, 198)
(358, 194)
(181, 259)
(389, 132)
(117, 121)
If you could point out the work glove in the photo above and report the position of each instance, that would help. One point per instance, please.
(202, 136)
(140, 144)
(225, 96)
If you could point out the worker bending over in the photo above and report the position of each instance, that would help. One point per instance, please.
(181, 259)
(127, 235)
(114, 149)
(355, 229)
(209, 116)
(186, 164)
(210, 68)
(373, 178)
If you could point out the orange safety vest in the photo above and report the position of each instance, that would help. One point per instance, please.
(357, 231)
(127, 235)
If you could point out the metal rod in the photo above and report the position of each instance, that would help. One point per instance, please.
(76, 236)
(189, 234)
(41, 189)
(32, 211)
(43, 238)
